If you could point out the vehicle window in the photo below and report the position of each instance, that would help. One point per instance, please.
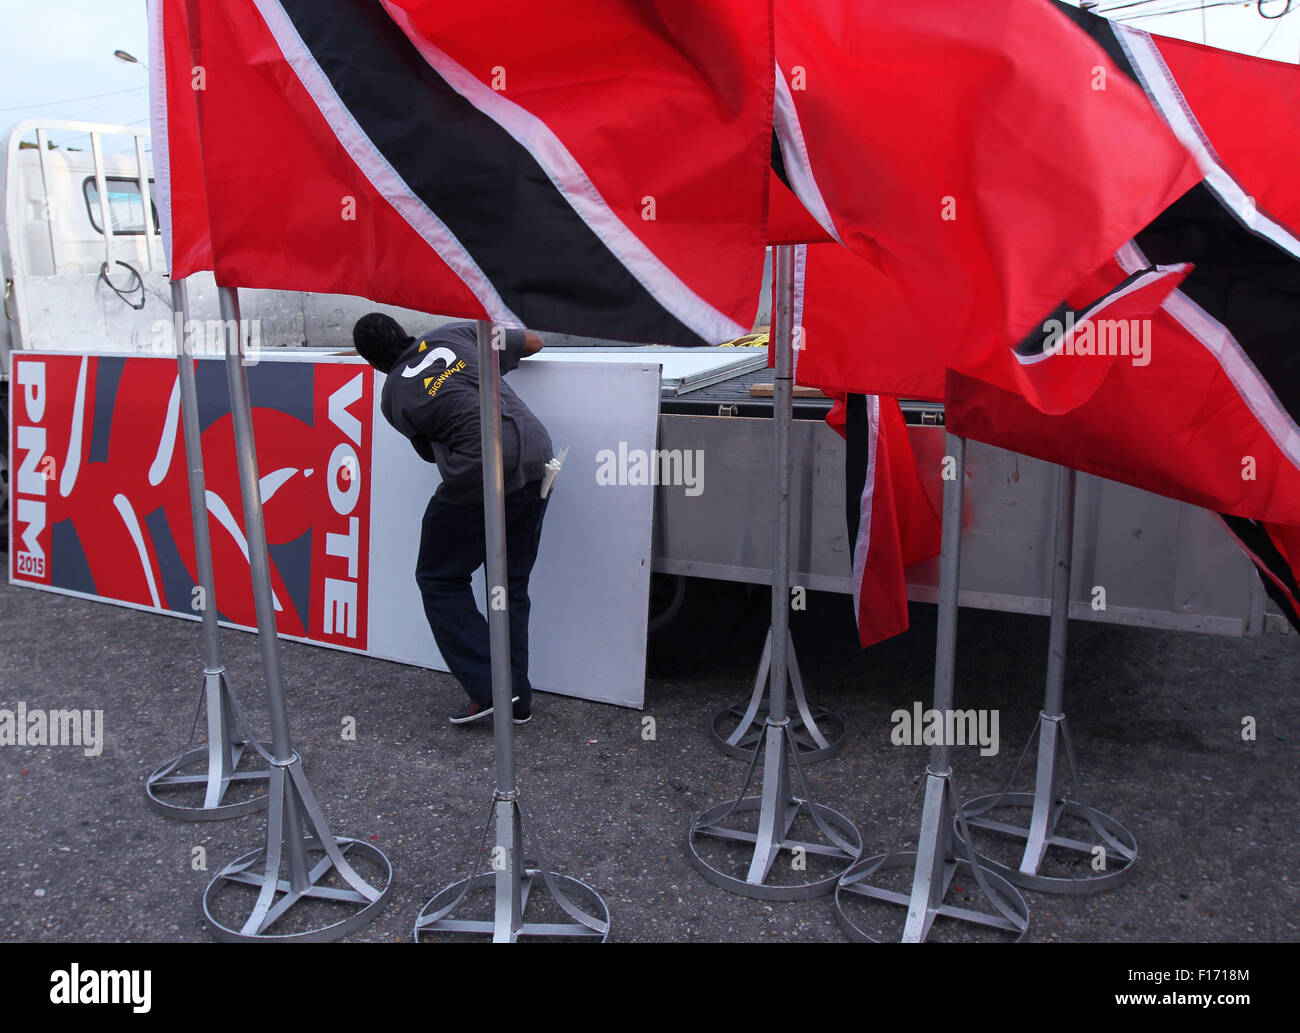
(124, 206)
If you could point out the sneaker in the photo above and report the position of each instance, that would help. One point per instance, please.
(470, 712)
(473, 712)
(522, 717)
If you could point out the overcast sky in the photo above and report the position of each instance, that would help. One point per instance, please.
(53, 50)
(53, 53)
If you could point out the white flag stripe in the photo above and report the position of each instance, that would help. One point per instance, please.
(863, 545)
(794, 152)
(162, 184)
(1099, 307)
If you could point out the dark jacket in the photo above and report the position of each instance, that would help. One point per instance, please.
(431, 397)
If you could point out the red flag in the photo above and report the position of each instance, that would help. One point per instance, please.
(788, 221)
(410, 153)
(891, 521)
(856, 332)
(986, 157)
(1115, 324)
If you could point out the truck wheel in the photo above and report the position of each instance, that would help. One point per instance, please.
(690, 618)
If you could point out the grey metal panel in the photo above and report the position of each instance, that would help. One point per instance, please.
(729, 523)
(1162, 563)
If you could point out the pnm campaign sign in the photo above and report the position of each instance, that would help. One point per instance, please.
(101, 508)
(101, 495)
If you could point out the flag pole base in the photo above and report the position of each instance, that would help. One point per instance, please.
(304, 881)
(478, 892)
(193, 785)
(738, 729)
(497, 901)
(935, 868)
(1103, 851)
(815, 865)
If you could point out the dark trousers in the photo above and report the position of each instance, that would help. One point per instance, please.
(452, 547)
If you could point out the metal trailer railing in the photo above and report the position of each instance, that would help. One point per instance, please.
(13, 252)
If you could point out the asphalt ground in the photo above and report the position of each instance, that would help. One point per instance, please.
(1157, 719)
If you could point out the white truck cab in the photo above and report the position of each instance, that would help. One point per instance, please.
(57, 202)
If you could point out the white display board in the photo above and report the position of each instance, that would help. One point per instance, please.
(676, 366)
(590, 585)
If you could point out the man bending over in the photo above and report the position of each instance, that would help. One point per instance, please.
(431, 396)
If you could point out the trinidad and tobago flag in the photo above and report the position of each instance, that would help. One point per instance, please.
(943, 163)
(892, 523)
(889, 518)
(1202, 403)
(1209, 413)
(983, 158)
(604, 169)
(595, 168)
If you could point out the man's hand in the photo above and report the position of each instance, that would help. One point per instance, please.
(532, 343)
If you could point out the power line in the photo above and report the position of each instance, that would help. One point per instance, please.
(104, 109)
(112, 110)
(72, 100)
(1197, 7)
(1259, 8)
(1122, 7)
(1260, 51)
(1176, 8)
(1188, 10)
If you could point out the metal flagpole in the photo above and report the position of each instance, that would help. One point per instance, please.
(509, 911)
(737, 729)
(302, 859)
(171, 789)
(511, 881)
(1108, 857)
(934, 864)
(776, 806)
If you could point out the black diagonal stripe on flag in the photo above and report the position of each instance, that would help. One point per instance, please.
(1037, 342)
(1102, 34)
(857, 451)
(1249, 284)
(478, 180)
(778, 161)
